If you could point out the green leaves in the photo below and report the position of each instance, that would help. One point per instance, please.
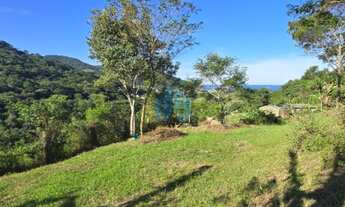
(221, 71)
(224, 74)
(43, 113)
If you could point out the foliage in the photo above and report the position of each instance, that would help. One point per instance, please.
(136, 41)
(225, 75)
(321, 132)
(255, 116)
(203, 108)
(319, 27)
(315, 87)
(191, 87)
(43, 107)
(30, 77)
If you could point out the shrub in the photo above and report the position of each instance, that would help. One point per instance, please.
(203, 108)
(255, 116)
(20, 158)
(321, 132)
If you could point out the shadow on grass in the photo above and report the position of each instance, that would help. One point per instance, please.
(67, 200)
(170, 186)
(331, 193)
(293, 195)
(255, 188)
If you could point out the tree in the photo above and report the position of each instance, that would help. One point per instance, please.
(111, 43)
(264, 96)
(322, 81)
(224, 74)
(191, 87)
(136, 41)
(319, 27)
(46, 118)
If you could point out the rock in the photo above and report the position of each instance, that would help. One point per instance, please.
(276, 111)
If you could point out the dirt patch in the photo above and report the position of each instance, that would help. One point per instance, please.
(214, 125)
(161, 134)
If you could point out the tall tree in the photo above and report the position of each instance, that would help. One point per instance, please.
(136, 41)
(224, 74)
(111, 43)
(319, 27)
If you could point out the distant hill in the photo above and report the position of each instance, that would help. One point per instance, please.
(73, 62)
(26, 76)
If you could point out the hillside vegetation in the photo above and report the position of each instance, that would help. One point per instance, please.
(73, 62)
(38, 95)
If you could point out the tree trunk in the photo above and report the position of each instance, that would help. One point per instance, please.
(132, 118)
(45, 146)
(338, 98)
(93, 135)
(321, 105)
(222, 114)
(142, 118)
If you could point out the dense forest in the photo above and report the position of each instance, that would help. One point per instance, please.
(44, 100)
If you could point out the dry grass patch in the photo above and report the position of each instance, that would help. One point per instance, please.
(162, 134)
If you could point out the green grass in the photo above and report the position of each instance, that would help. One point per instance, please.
(200, 169)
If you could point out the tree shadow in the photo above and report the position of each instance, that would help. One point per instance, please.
(256, 188)
(68, 200)
(222, 199)
(330, 193)
(170, 186)
(293, 196)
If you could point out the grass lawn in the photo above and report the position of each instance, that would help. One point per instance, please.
(200, 169)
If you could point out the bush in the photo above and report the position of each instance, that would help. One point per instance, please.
(321, 132)
(20, 158)
(203, 108)
(255, 116)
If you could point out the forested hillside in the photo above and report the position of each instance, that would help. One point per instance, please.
(27, 76)
(51, 102)
(73, 62)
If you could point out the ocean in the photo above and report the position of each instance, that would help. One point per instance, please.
(252, 86)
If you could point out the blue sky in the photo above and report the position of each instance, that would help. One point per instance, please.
(253, 31)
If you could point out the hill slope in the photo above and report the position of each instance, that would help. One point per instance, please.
(201, 169)
(31, 76)
(73, 62)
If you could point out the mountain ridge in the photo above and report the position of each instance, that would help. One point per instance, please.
(73, 62)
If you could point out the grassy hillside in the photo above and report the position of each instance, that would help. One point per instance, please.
(201, 169)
